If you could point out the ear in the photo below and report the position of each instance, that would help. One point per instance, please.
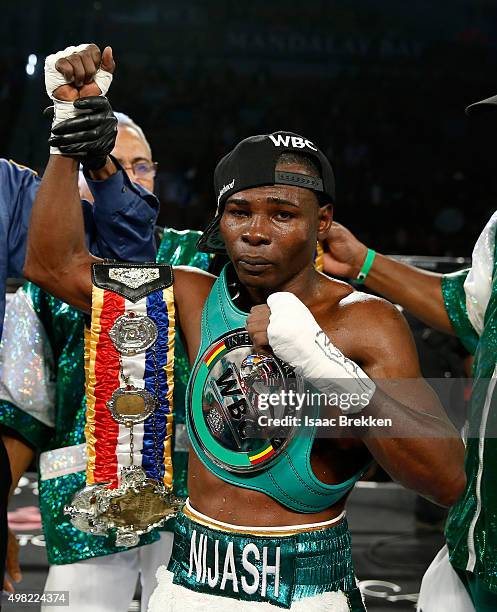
(325, 219)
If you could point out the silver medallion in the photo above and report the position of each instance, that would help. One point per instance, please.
(129, 405)
(138, 505)
(134, 277)
(133, 334)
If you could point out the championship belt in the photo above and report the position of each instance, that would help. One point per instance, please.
(129, 418)
(223, 406)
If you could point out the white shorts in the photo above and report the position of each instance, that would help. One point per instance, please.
(169, 597)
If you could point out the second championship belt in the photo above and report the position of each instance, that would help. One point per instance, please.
(129, 420)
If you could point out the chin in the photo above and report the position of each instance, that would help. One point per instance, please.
(257, 281)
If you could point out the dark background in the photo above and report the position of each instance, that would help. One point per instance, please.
(380, 85)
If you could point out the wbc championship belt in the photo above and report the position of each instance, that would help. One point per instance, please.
(224, 407)
(129, 394)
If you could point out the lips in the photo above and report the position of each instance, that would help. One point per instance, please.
(254, 260)
(253, 264)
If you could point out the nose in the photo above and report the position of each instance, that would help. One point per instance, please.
(256, 231)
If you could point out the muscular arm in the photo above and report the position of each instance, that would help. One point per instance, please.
(361, 346)
(416, 290)
(422, 450)
(57, 258)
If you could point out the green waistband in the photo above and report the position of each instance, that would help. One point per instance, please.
(275, 569)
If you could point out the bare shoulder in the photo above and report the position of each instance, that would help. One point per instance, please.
(191, 289)
(373, 332)
(189, 281)
(377, 312)
(190, 272)
(376, 321)
(344, 302)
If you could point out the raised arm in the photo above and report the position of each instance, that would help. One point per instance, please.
(57, 257)
(123, 214)
(416, 290)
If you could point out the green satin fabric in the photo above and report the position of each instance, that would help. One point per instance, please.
(455, 304)
(483, 599)
(311, 563)
(471, 528)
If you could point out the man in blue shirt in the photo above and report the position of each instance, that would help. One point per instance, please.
(128, 210)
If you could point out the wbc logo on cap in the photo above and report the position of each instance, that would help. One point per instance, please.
(296, 142)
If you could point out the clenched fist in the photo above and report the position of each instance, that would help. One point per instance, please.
(74, 73)
(79, 72)
(256, 325)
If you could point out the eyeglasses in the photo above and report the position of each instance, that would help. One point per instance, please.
(143, 168)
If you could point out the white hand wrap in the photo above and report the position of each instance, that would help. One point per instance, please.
(54, 79)
(295, 337)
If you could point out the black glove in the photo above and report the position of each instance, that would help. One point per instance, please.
(89, 137)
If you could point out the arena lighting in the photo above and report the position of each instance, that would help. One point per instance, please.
(31, 65)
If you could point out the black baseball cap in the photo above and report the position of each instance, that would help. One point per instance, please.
(252, 163)
(483, 106)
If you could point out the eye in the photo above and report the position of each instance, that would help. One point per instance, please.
(143, 169)
(238, 212)
(284, 215)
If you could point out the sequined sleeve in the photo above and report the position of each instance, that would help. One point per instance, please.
(179, 248)
(27, 389)
(455, 303)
